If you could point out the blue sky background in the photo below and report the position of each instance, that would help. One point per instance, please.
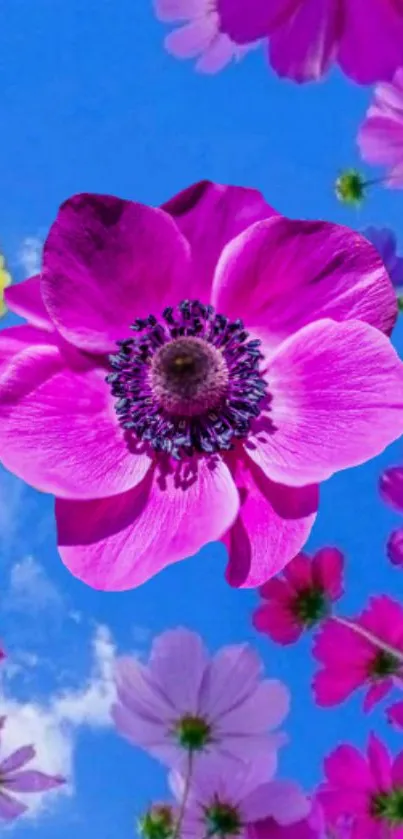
(90, 102)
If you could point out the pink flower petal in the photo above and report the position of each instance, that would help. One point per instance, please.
(304, 48)
(138, 690)
(217, 55)
(107, 262)
(397, 770)
(178, 663)
(278, 589)
(384, 617)
(32, 781)
(25, 300)
(16, 760)
(380, 763)
(10, 808)
(395, 715)
(173, 10)
(146, 734)
(298, 573)
(376, 693)
(257, 20)
(59, 431)
(378, 31)
(280, 275)
(337, 399)
(118, 543)
(347, 769)
(339, 645)
(17, 338)
(265, 708)
(327, 571)
(274, 620)
(344, 802)
(273, 524)
(210, 215)
(394, 547)
(285, 802)
(193, 38)
(391, 487)
(233, 674)
(334, 685)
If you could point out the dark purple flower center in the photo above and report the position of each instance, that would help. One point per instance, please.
(222, 820)
(384, 664)
(189, 382)
(388, 806)
(311, 606)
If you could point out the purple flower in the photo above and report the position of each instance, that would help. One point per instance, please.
(183, 702)
(225, 803)
(381, 135)
(14, 778)
(384, 240)
(391, 490)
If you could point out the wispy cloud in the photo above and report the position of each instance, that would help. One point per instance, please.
(30, 588)
(30, 255)
(53, 724)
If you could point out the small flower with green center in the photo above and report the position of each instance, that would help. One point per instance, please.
(185, 703)
(350, 188)
(351, 660)
(302, 597)
(223, 804)
(157, 823)
(368, 788)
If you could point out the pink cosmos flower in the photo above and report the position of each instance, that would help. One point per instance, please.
(381, 135)
(391, 489)
(14, 778)
(313, 826)
(369, 789)
(183, 702)
(350, 661)
(305, 36)
(300, 598)
(160, 421)
(384, 240)
(223, 803)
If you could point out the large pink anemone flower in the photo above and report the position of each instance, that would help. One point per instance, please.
(305, 37)
(190, 374)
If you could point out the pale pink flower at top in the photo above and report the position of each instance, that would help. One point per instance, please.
(370, 790)
(350, 661)
(224, 804)
(391, 489)
(15, 778)
(381, 135)
(301, 597)
(183, 701)
(190, 374)
(305, 37)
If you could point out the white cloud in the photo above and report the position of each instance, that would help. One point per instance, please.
(31, 590)
(53, 725)
(30, 255)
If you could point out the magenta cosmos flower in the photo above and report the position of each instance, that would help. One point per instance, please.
(223, 803)
(302, 597)
(305, 37)
(370, 790)
(391, 489)
(350, 661)
(15, 778)
(183, 701)
(384, 240)
(159, 418)
(381, 135)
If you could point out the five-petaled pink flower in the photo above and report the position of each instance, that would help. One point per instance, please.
(381, 135)
(185, 702)
(190, 374)
(305, 37)
(302, 597)
(15, 778)
(350, 661)
(391, 489)
(370, 790)
(224, 803)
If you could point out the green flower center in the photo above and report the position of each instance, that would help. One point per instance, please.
(384, 664)
(193, 733)
(157, 823)
(350, 187)
(388, 806)
(222, 820)
(311, 606)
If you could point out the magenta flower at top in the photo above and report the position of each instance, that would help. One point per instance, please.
(384, 240)
(350, 661)
(15, 778)
(185, 702)
(224, 804)
(190, 374)
(391, 489)
(370, 790)
(305, 37)
(302, 597)
(381, 135)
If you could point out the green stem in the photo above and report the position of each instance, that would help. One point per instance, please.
(185, 796)
(377, 642)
